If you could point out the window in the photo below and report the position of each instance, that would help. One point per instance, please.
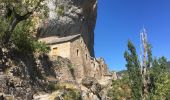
(77, 52)
(55, 51)
(86, 56)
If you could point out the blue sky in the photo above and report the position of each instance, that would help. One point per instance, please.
(121, 20)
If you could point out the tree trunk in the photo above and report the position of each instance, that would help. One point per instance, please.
(144, 74)
(144, 66)
(8, 33)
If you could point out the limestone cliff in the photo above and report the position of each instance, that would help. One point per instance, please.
(36, 76)
(70, 17)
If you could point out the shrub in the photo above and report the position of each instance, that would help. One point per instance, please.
(72, 94)
(53, 87)
(60, 10)
(24, 41)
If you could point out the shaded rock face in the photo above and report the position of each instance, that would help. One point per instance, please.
(95, 88)
(70, 17)
(31, 74)
(88, 81)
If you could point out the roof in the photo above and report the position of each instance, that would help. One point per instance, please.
(56, 40)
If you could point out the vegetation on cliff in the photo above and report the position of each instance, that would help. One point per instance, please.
(17, 29)
(17, 25)
(120, 89)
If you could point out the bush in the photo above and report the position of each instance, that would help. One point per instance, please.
(3, 26)
(72, 94)
(24, 41)
(53, 87)
(60, 10)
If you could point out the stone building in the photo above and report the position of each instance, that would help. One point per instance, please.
(74, 48)
(78, 17)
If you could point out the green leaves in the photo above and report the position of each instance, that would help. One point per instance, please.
(60, 10)
(120, 89)
(17, 11)
(40, 47)
(133, 66)
(17, 25)
(158, 77)
(24, 40)
(22, 7)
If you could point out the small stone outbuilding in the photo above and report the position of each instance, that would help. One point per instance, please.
(71, 47)
(74, 48)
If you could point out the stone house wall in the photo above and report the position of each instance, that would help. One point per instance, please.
(80, 56)
(95, 68)
(77, 52)
(98, 68)
(62, 49)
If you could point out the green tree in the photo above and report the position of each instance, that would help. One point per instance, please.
(120, 89)
(160, 80)
(17, 26)
(14, 12)
(134, 71)
(152, 83)
(24, 41)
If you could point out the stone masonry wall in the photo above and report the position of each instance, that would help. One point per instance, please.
(80, 56)
(63, 50)
(98, 68)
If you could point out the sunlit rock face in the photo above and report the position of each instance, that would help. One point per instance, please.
(70, 17)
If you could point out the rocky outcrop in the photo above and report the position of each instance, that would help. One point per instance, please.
(70, 17)
(92, 90)
(27, 75)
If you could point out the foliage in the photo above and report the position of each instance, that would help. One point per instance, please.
(24, 40)
(120, 89)
(22, 6)
(160, 80)
(122, 72)
(3, 26)
(60, 10)
(72, 94)
(69, 92)
(157, 76)
(133, 67)
(168, 65)
(53, 86)
(13, 13)
(17, 25)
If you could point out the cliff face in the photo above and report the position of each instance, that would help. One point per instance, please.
(70, 17)
(27, 76)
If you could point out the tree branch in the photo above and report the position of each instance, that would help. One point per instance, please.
(17, 19)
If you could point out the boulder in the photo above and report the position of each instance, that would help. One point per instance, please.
(89, 81)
